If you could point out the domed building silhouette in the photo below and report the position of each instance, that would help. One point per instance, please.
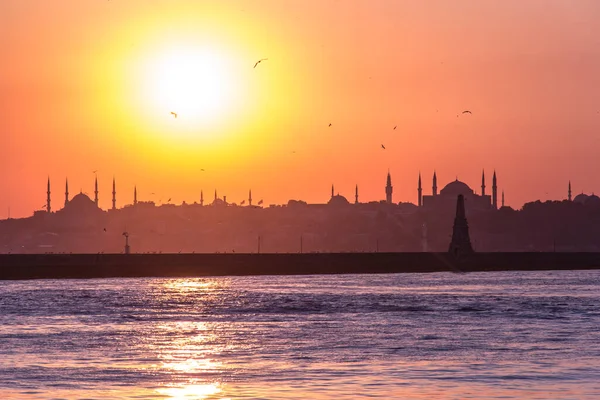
(446, 199)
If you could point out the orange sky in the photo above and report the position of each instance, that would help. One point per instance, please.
(78, 93)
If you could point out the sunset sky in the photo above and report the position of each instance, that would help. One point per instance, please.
(90, 85)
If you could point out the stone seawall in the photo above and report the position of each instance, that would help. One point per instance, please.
(58, 266)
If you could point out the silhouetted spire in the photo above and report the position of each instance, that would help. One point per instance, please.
(494, 192)
(135, 195)
(420, 192)
(250, 197)
(356, 195)
(332, 191)
(434, 188)
(389, 189)
(48, 206)
(215, 194)
(569, 198)
(66, 191)
(483, 183)
(503, 198)
(461, 243)
(114, 195)
(201, 198)
(96, 192)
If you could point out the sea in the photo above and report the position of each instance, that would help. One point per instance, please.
(492, 335)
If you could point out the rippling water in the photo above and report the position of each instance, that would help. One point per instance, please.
(419, 336)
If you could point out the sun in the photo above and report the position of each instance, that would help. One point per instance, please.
(192, 84)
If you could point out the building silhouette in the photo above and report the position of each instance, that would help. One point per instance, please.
(461, 242)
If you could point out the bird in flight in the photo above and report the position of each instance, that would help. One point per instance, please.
(93, 172)
(383, 147)
(467, 112)
(168, 201)
(259, 61)
(174, 114)
(202, 169)
(330, 125)
(395, 127)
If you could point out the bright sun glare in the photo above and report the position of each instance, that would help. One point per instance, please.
(195, 83)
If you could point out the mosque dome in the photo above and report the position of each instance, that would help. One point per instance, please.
(81, 203)
(455, 188)
(592, 200)
(580, 198)
(338, 200)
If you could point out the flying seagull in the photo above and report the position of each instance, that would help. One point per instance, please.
(383, 147)
(395, 127)
(202, 169)
(467, 112)
(174, 114)
(259, 61)
(93, 172)
(329, 125)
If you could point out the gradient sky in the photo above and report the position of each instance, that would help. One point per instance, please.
(80, 91)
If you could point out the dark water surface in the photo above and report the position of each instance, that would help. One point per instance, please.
(508, 335)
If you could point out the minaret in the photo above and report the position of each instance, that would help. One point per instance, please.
(494, 192)
(503, 198)
(215, 194)
(114, 194)
(420, 192)
(461, 243)
(250, 197)
(48, 207)
(434, 189)
(332, 191)
(201, 198)
(135, 195)
(356, 195)
(96, 192)
(388, 189)
(483, 183)
(569, 191)
(66, 192)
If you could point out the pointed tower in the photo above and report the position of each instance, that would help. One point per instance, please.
(66, 192)
(201, 198)
(503, 198)
(461, 242)
(420, 192)
(96, 192)
(215, 194)
(356, 195)
(569, 194)
(250, 197)
(388, 189)
(483, 183)
(332, 191)
(434, 188)
(135, 195)
(114, 195)
(494, 192)
(48, 206)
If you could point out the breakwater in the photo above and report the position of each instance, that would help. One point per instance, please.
(58, 266)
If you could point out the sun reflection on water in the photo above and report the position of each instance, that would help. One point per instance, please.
(192, 391)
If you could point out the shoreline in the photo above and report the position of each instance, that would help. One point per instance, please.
(90, 266)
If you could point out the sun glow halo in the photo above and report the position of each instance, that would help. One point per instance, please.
(195, 83)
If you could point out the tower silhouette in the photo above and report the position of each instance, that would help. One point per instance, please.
(569, 195)
(114, 195)
(483, 183)
(250, 197)
(461, 242)
(434, 188)
(66, 192)
(356, 195)
(388, 189)
(503, 198)
(48, 206)
(96, 192)
(332, 191)
(494, 192)
(215, 194)
(135, 195)
(420, 192)
(201, 198)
